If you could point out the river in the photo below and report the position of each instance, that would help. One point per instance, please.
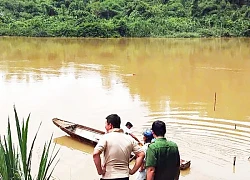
(199, 87)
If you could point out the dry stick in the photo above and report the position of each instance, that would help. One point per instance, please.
(214, 100)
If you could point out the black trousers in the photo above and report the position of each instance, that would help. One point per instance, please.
(126, 178)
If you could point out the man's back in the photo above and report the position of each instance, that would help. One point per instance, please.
(164, 156)
(117, 148)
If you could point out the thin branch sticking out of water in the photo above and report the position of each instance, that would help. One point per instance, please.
(214, 100)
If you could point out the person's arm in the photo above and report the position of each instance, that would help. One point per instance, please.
(138, 162)
(150, 173)
(97, 161)
(99, 148)
(177, 174)
(178, 166)
(133, 136)
(142, 168)
(151, 161)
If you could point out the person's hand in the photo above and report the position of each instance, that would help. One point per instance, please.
(103, 171)
(142, 168)
(131, 172)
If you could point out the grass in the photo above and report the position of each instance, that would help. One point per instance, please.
(15, 160)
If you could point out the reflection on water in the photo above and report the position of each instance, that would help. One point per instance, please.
(173, 80)
(189, 71)
(69, 142)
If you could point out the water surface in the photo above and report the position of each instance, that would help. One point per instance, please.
(199, 87)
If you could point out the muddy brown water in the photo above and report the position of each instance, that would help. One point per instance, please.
(142, 80)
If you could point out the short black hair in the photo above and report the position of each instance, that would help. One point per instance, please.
(159, 128)
(114, 119)
(129, 124)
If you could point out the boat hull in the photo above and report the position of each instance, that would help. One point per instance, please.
(79, 132)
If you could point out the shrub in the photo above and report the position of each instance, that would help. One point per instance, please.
(15, 162)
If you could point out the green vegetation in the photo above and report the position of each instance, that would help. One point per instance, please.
(15, 162)
(125, 18)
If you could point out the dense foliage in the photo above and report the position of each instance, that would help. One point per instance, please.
(125, 18)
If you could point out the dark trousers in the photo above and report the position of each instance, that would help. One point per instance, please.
(126, 178)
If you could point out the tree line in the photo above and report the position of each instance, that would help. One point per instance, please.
(125, 18)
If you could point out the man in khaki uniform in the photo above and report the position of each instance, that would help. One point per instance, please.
(117, 148)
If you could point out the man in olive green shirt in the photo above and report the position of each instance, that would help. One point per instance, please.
(162, 157)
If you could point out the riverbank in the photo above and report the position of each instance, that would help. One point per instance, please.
(120, 18)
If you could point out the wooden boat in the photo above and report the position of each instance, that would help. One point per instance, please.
(91, 136)
(79, 132)
(185, 164)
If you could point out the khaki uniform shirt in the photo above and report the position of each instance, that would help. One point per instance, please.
(117, 148)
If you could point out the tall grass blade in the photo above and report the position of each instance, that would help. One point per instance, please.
(22, 145)
(43, 162)
(31, 150)
(3, 168)
(7, 160)
(51, 159)
(9, 148)
(46, 161)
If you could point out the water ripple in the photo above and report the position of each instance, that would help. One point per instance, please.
(212, 139)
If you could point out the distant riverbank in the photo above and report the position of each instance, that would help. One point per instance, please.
(125, 18)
